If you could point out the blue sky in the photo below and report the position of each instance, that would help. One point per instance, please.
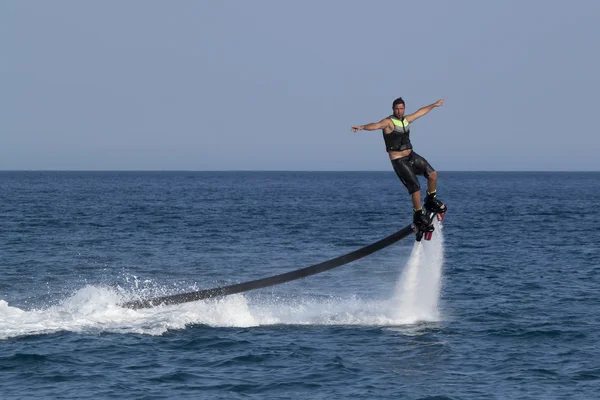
(276, 85)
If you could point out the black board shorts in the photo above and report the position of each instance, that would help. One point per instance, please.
(407, 168)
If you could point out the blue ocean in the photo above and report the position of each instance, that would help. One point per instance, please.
(502, 303)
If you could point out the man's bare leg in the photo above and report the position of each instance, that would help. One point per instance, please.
(432, 182)
(416, 199)
(431, 202)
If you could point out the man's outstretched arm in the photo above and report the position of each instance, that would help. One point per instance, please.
(424, 110)
(373, 126)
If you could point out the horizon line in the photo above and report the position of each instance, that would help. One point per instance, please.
(273, 170)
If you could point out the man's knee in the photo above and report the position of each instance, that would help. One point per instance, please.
(412, 186)
(432, 176)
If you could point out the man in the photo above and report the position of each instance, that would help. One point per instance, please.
(407, 163)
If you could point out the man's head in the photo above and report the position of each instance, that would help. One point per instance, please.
(398, 108)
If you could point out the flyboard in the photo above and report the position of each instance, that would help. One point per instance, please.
(425, 233)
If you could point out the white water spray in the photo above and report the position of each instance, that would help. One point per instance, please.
(418, 289)
(94, 309)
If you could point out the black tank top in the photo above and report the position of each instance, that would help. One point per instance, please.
(399, 138)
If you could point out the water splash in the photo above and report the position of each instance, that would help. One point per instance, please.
(93, 309)
(418, 289)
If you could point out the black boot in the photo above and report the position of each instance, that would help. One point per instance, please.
(422, 221)
(432, 204)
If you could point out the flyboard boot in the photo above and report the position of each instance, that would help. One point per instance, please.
(433, 205)
(422, 226)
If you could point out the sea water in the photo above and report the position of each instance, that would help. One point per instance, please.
(503, 302)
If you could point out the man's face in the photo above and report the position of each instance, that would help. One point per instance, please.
(398, 110)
